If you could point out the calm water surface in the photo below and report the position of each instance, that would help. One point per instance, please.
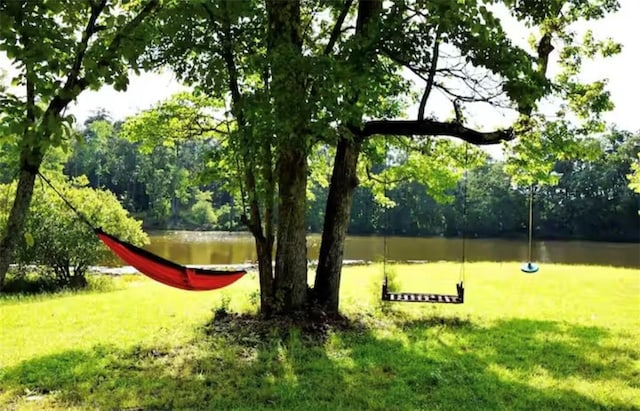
(204, 248)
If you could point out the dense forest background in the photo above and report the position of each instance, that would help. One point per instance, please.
(592, 200)
(163, 187)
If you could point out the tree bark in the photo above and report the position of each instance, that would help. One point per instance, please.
(291, 254)
(338, 211)
(266, 269)
(428, 127)
(29, 164)
(264, 249)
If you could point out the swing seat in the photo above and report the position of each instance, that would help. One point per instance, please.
(424, 297)
(529, 268)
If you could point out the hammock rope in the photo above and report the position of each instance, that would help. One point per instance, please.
(152, 265)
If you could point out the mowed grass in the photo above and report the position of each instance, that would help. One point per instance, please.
(566, 338)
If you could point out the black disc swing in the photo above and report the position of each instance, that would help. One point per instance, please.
(530, 267)
(457, 298)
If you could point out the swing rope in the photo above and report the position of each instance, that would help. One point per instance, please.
(530, 267)
(465, 182)
(386, 213)
(530, 218)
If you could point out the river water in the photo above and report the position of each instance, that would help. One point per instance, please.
(207, 248)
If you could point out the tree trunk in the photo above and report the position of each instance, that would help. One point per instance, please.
(336, 221)
(291, 256)
(344, 179)
(30, 162)
(264, 249)
(289, 98)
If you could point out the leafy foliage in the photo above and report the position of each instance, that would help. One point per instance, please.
(634, 177)
(202, 213)
(544, 138)
(475, 51)
(58, 49)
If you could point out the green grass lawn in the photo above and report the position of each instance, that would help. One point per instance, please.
(566, 338)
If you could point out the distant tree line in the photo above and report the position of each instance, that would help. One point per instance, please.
(592, 200)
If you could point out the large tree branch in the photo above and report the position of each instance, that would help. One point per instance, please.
(432, 74)
(29, 74)
(432, 128)
(232, 69)
(74, 84)
(337, 27)
(544, 50)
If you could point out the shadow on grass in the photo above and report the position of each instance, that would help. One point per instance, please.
(451, 367)
(562, 350)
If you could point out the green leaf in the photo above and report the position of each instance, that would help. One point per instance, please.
(28, 238)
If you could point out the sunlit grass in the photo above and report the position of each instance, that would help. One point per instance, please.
(140, 313)
(565, 338)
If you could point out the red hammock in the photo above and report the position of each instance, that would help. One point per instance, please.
(167, 272)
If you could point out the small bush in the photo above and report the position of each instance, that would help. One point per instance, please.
(30, 283)
(101, 283)
(222, 308)
(254, 299)
(39, 282)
